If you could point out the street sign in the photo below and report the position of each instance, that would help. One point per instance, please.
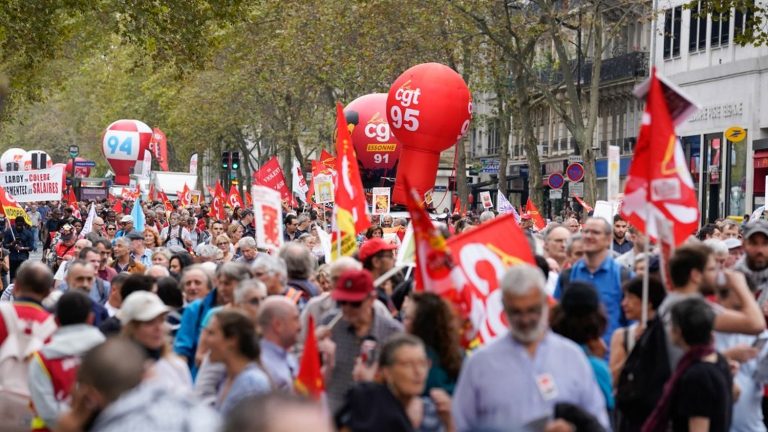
(555, 194)
(735, 134)
(556, 181)
(576, 189)
(575, 172)
(74, 151)
(85, 164)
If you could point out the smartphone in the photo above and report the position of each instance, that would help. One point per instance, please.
(759, 343)
(369, 352)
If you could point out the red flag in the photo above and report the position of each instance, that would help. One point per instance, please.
(217, 207)
(328, 161)
(248, 199)
(538, 221)
(152, 192)
(584, 205)
(166, 201)
(118, 207)
(435, 271)
(10, 208)
(183, 196)
(234, 198)
(483, 255)
(271, 175)
(309, 380)
(158, 144)
(350, 208)
(220, 191)
(659, 185)
(71, 199)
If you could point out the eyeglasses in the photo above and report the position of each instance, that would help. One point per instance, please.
(222, 244)
(354, 304)
(111, 228)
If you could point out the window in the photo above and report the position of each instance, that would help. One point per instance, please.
(697, 38)
(744, 20)
(493, 138)
(672, 22)
(721, 25)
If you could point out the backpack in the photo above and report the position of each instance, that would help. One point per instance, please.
(642, 379)
(15, 353)
(180, 239)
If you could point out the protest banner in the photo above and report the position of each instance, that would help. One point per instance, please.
(271, 175)
(268, 214)
(323, 189)
(35, 185)
(485, 198)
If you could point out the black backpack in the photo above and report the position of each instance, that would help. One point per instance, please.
(642, 379)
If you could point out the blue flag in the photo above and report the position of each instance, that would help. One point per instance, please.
(137, 213)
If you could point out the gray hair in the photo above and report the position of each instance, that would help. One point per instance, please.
(607, 226)
(246, 286)
(234, 270)
(123, 241)
(247, 242)
(551, 228)
(162, 251)
(299, 262)
(717, 246)
(302, 218)
(340, 266)
(152, 270)
(520, 279)
(208, 251)
(486, 216)
(272, 265)
(577, 237)
(201, 269)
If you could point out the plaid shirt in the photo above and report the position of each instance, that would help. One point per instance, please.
(347, 350)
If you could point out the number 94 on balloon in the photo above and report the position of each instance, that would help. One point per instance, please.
(122, 145)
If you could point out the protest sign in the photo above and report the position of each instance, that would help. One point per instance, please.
(485, 198)
(380, 200)
(35, 185)
(323, 188)
(268, 214)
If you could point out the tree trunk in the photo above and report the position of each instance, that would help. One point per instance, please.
(522, 90)
(503, 115)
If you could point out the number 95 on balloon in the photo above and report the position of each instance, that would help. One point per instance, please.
(123, 145)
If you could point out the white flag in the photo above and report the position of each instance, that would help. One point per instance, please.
(300, 187)
(88, 225)
(193, 164)
(146, 165)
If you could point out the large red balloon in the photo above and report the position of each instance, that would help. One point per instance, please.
(123, 143)
(429, 108)
(79, 171)
(378, 151)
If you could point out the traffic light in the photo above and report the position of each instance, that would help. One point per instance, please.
(225, 160)
(235, 160)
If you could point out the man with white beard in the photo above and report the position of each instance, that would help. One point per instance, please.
(520, 378)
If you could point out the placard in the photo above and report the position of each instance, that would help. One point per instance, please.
(35, 185)
(485, 198)
(323, 188)
(428, 198)
(380, 201)
(268, 215)
(555, 194)
(196, 197)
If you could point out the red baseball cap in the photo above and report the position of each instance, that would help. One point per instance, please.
(353, 285)
(373, 246)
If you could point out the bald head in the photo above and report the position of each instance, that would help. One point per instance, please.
(112, 368)
(340, 266)
(279, 321)
(33, 279)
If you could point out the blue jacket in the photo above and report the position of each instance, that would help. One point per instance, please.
(191, 326)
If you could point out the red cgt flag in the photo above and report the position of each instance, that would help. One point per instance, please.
(309, 380)
(484, 254)
(659, 185)
(538, 221)
(234, 198)
(248, 199)
(183, 196)
(435, 271)
(166, 201)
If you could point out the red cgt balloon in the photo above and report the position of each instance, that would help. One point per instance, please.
(378, 151)
(429, 108)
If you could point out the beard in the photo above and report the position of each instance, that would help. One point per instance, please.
(532, 331)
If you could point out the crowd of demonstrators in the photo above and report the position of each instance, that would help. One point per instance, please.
(188, 324)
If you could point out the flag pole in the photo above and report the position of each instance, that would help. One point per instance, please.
(646, 249)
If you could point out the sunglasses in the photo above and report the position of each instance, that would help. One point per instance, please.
(111, 228)
(354, 304)
(222, 244)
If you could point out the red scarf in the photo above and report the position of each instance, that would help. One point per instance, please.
(660, 415)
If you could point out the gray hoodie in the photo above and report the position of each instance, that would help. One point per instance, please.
(67, 341)
(152, 407)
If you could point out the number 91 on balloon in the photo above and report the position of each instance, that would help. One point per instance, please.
(121, 145)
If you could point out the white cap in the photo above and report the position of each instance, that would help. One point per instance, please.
(127, 218)
(141, 306)
(732, 243)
